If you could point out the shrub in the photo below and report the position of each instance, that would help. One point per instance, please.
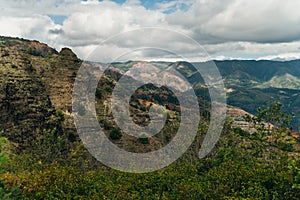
(61, 115)
(144, 139)
(98, 93)
(115, 134)
(241, 132)
(4, 151)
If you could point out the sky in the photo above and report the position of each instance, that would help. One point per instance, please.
(226, 29)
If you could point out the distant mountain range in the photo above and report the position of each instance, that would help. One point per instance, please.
(254, 83)
(249, 83)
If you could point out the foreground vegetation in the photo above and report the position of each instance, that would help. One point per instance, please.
(242, 166)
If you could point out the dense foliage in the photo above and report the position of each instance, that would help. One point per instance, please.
(240, 167)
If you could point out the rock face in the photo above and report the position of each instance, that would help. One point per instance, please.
(35, 82)
(59, 75)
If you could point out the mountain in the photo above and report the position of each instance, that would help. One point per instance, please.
(35, 85)
(252, 84)
(287, 81)
(257, 70)
(42, 156)
(37, 81)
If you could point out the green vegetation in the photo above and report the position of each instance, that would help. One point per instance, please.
(98, 93)
(3, 150)
(241, 167)
(269, 116)
(115, 134)
(285, 81)
(60, 115)
(144, 139)
(13, 192)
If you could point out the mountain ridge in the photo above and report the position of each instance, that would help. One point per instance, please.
(57, 72)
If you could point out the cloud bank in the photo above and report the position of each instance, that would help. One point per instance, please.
(227, 29)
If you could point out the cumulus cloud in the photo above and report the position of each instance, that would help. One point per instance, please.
(31, 27)
(230, 20)
(107, 19)
(257, 21)
(226, 28)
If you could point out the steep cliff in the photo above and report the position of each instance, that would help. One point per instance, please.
(35, 85)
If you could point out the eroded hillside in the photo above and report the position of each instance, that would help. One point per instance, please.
(35, 85)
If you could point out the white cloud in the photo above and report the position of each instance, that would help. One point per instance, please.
(282, 57)
(108, 19)
(33, 27)
(257, 21)
(226, 28)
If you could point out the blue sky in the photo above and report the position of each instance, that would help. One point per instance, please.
(58, 19)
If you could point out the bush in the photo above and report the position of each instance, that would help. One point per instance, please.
(4, 151)
(144, 139)
(6, 191)
(61, 115)
(241, 132)
(98, 93)
(108, 89)
(115, 134)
